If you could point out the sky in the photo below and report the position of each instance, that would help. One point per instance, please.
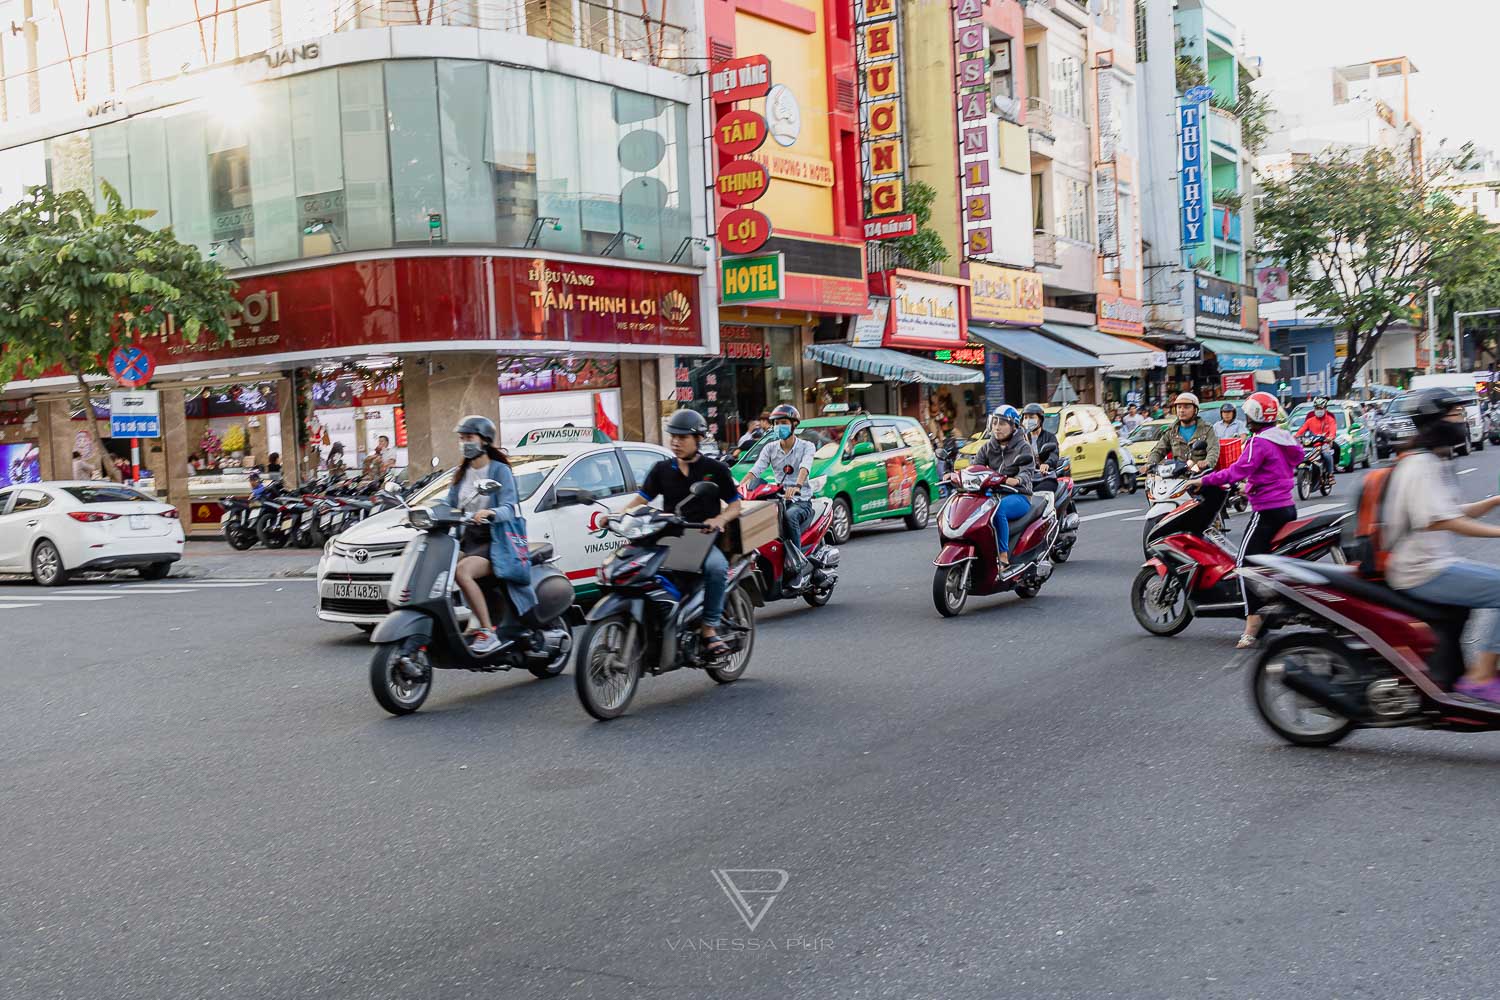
(1452, 43)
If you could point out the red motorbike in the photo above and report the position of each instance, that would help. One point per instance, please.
(1367, 657)
(969, 562)
(770, 558)
(1190, 572)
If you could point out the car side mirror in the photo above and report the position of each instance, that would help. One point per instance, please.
(571, 496)
(863, 448)
(487, 487)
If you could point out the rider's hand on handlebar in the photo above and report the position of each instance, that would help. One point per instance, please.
(715, 524)
(488, 514)
(1193, 485)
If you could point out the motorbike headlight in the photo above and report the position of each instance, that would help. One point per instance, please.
(816, 484)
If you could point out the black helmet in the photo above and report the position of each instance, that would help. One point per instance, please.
(1428, 406)
(476, 424)
(685, 422)
(786, 411)
(1035, 408)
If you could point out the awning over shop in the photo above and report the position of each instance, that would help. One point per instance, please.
(1028, 345)
(1240, 356)
(892, 365)
(1118, 354)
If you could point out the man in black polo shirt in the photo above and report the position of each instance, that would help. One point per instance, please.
(672, 479)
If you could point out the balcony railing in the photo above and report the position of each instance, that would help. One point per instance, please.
(1044, 248)
(1039, 118)
(95, 66)
(1224, 127)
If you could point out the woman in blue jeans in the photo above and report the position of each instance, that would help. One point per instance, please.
(1421, 513)
(1008, 452)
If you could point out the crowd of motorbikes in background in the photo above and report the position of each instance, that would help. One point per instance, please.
(277, 516)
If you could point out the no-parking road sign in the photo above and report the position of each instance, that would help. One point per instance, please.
(131, 366)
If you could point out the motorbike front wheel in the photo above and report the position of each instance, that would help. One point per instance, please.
(239, 538)
(1325, 487)
(609, 666)
(1304, 488)
(1154, 615)
(950, 591)
(400, 678)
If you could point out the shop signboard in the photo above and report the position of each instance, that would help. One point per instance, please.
(1189, 354)
(1217, 305)
(1237, 383)
(924, 314)
(135, 414)
(869, 331)
(744, 230)
(976, 126)
(882, 114)
(742, 343)
(1004, 295)
(1107, 201)
(891, 227)
(741, 79)
(994, 380)
(1118, 314)
(757, 278)
(741, 182)
(1190, 167)
(740, 132)
(971, 355)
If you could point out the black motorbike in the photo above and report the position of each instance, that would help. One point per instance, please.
(652, 607)
(422, 633)
(238, 523)
(1311, 473)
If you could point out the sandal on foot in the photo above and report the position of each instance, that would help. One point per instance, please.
(1246, 641)
(715, 647)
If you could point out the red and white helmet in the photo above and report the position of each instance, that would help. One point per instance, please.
(1261, 408)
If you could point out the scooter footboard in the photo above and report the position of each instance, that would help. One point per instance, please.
(953, 554)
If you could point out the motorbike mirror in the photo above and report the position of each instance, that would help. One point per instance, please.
(705, 491)
(569, 496)
(488, 487)
(1199, 449)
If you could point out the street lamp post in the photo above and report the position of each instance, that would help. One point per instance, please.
(1458, 344)
(1432, 294)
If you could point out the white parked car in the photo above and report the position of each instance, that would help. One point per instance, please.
(53, 530)
(355, 572)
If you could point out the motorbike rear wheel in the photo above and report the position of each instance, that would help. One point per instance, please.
(555, 666)
(1297, 719)
(400, 688)
(239, 538)
(949, 591)
(1154, 616)
(739, 615)
(609, 666)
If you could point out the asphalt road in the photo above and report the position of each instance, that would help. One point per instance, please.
(201, 799)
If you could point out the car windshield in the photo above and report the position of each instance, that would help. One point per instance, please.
(1145, 432)
(530, 471)
(108, 494)
(825, 439)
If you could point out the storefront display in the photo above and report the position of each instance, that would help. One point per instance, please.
(570, 390)
(20, 462)
(755, 371)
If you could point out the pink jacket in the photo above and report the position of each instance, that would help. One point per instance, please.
(1269, 466)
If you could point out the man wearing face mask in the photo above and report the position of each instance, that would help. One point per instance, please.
(1043, 441)
(1322, 423)
(789, 458)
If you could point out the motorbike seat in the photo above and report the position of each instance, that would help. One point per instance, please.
(1314, 523)
(1019, 524)
(541, 552)
(1346, 580)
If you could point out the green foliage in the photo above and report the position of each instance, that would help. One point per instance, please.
(924, 250)
(1190, 72)
(76, 282)
(1228, 198)
(1254, 112)
(1364, 239)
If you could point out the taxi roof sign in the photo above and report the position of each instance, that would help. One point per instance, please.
(563, 435)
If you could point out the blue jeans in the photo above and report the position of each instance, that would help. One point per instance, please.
(715, 586)
(1011, 505)
(798, 515)
(1467, 585)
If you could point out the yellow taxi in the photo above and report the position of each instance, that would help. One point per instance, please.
(1140, 441)
(1084, 435)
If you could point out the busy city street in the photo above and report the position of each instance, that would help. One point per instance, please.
(1033, 799)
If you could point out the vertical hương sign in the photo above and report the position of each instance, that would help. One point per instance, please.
(882, 115)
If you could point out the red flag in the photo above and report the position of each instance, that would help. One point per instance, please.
(601, 419)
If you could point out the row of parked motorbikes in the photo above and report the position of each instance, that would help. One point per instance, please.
(307, 516)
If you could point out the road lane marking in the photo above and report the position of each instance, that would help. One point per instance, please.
(1465, 472)
(1108, 513)
(72, 597)
(7, 607)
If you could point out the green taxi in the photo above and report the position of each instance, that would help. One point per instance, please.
(872, 467)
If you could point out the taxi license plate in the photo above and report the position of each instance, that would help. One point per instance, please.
(357, 591)
(138, 522)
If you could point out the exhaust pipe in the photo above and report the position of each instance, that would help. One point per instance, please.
(1325, 693)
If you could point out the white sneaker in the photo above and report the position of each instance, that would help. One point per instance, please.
(485, 641)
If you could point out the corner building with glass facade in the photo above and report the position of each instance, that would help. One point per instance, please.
(500, 211)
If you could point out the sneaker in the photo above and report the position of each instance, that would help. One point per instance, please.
(485, 641)
(1484, 691)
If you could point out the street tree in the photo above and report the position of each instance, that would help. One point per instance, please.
(1364, 238)
(77, 281)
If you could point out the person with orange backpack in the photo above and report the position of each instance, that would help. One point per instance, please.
(1268, 466)
(1420, 511)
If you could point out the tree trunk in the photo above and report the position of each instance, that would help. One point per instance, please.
(110, 472)
(1354, 362)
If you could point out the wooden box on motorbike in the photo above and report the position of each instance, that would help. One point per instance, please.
(759, 522)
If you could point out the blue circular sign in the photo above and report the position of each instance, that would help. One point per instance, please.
(131, 366)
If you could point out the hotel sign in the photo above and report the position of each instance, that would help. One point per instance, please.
(976, 127)
(878, 44)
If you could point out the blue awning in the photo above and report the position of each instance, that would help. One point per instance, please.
(892, 365)
(1028, 345)
(1241, 355)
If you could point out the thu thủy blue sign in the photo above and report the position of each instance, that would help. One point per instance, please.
(1190, 149)
(135, 414)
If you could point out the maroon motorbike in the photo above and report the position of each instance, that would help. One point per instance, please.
(969, 562)
(1364, 657)
(770, 558)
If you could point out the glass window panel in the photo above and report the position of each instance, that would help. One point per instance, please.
(232, 213)
(416, 164)
(463, 91)
(273, 195)
(20, 168)
(599, 169)
(317, 155)
(512, 156)
(111, 158)
(187, 162)
(554, 100)
(367, 176)
(148, 170)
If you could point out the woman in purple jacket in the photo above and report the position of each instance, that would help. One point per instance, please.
(1269, 466)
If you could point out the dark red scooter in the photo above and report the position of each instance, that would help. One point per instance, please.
(1190, 573)
(770, 559)
(970, 560)
(1367, 657)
